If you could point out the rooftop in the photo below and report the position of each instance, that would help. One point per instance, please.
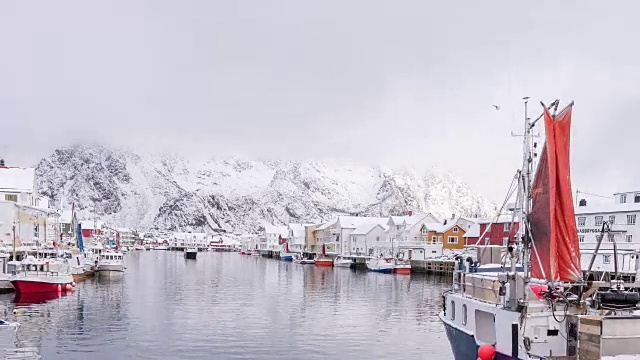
(364, 229)
(281, 230)
(297, 229)
(17, 179)
(473, 231)
(608, 208)
(352, 222)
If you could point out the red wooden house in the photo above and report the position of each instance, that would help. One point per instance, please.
(502, 232)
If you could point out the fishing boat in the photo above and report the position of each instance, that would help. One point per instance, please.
(38, 275)
(161, 247)
(533, 301)
(381, 265)
(342, 261)
(322, 259)
(285, 255)
(191, 253)
(110, 263)
(402, 266)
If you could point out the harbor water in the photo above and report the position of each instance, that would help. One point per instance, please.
(230, 306)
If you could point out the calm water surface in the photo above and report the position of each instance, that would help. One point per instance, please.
(228, 306)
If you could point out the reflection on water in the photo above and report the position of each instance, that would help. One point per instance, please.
(228, 306)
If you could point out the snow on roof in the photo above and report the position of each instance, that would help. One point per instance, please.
(352, 222)
(89, 224)
(607, 208)
(473, 231)
(431, 226)
(297, 230)
(17, 179)
(281, 230)
(364, 229)
(327, 224)
(506, 218)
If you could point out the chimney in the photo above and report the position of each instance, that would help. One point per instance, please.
(445, 222)
(410, 213)
(2, 162)
(583, 202)
(453, 216)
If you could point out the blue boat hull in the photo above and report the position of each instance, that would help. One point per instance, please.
(383, 271)
(464, 346)
(286, 258)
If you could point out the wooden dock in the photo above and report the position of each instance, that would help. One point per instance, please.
(437, 267)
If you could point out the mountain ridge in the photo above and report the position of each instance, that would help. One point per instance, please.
(169, 192)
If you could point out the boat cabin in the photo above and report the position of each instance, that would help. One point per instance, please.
(111, 257)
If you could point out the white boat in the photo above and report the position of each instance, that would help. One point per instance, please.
(341, 261)
(161, 247)
(381, 265)
(110, 263)
(546, 308)
(138, 247)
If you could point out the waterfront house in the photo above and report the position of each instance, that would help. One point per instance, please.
(622, 215)
(452, 236)
(407, 235)
(325, 236)
(22, 211)
(498, 231)
(92, 229)
(364, 238)
(296, 237)
(472, 235)
(310, 241)
(345, 225)
(273, 235)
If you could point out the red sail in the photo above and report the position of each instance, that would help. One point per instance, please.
(555, 252)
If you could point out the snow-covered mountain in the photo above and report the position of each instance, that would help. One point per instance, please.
(169, 192)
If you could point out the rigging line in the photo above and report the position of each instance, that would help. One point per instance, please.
(596, 195)
(509, 193)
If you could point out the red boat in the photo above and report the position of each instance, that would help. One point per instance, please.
(324, 262)
(38, 276)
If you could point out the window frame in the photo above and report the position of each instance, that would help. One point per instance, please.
(582, 221)
(452, 237)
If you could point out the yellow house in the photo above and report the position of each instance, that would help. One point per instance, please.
(452, 236)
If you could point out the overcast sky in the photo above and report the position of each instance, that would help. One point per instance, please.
(378, 82)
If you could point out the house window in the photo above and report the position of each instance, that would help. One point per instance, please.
(606, 259)
(598, 221)
(453, 310)
(623, 198)
(10, 197)
(628, 238)
(631, 219)
(455, 229)
(636, 198)
(464, 314)
(506, 226)
(505, 241)
(582, 221)
(612, 219)
(425, 231)
(452, 240)
(433, 239)
(581, 238)
(36, 231)
(377, 238)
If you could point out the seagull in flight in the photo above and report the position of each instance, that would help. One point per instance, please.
(497, 107)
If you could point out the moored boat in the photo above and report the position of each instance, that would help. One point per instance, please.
(381, 265)
(191, 253)
(110, 264)
(402, 267)
(38, 276)
(341, 261)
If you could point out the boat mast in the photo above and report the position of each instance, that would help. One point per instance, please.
(527, 163)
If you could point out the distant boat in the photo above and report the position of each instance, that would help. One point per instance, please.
(286, 255)
(110, 263)
(161, 247)
(381, 265)
(191, 253)
(324, 260)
